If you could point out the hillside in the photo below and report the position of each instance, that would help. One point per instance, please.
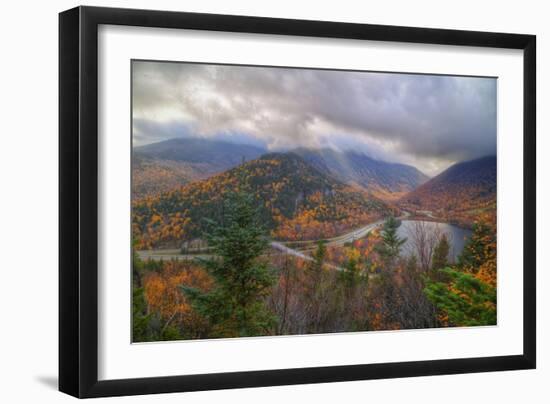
(150, 177)
(297, 202)
(459, 193)
(219, 155)
(383, 179)
(162, 166)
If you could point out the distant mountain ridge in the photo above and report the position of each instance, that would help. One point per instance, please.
(164, 165)
(219, 154)
(182, 160)
(461, 189)
(379, 177)
(296, 201)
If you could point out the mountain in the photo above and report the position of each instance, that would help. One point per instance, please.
(383, 179)
(296, 202)
(218, 155)
(150, 177)
(164, 165)
(460, 192)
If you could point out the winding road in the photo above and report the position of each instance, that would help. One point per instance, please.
(338, 241)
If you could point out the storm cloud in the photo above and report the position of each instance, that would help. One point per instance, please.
(429, 121)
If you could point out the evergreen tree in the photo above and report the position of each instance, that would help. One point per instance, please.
(465, 300)
(140, 318)
(318, 293)
(391, 244)
(313, 284)
(441, 253)
(316, 266)
(479, 248)
(137, 268)
(352, 296)
(235, 305)
(351, 272)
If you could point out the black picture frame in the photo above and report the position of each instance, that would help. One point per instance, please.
(78, 201)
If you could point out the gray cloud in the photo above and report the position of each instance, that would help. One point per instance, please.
(426, 120)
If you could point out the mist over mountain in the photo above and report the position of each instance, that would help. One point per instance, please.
(379, 177)
(463, 190)
(178, 161)
(426, 120)
(218, 154)
(162, 166)
(295, 201)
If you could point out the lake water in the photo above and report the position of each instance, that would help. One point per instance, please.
(456, 235)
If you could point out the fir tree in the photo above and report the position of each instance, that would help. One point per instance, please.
(441, 252)
(317, 292)
(391, 244)
(465, 300)
(351, 273)
(479, 248)
(235, 305)
(140, 319)
(316, 266)
(137, 268)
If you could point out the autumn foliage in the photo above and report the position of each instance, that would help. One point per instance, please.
(296, 202)
(163, 296)
(240, 285)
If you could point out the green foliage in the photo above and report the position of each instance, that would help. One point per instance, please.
(391, 244)
(235, 305)
(352, 272)
(137, 268)
(440, 254)
(167, 333)
(147, 327)
(140, 318)
(440, 260)
(313, 285)
(284, 187)
(319, 256)
(320, 297)
(475, 252)
(466, 300)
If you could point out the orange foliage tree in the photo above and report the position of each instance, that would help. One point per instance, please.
(162, 291)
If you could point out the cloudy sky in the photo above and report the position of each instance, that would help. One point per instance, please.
(428, 121)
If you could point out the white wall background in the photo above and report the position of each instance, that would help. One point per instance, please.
(28, 199)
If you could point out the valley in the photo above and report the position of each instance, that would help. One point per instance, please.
(271, 201)
(458, 195)
(302, 194)
(334, 226)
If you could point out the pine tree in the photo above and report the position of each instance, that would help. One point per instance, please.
(140, 318)
(465, 300)
(137, 268)
(316, 266)
(351, 272)
(235, 305)
(391, 243)
(317, 296)
(352, 294)
(441, 253)
(479, 248)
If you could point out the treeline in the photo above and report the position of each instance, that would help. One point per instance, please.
(245, 289)
(295, 202)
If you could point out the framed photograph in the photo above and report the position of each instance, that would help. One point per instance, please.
(251, 201)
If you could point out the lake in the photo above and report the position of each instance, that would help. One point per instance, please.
(456, 235)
